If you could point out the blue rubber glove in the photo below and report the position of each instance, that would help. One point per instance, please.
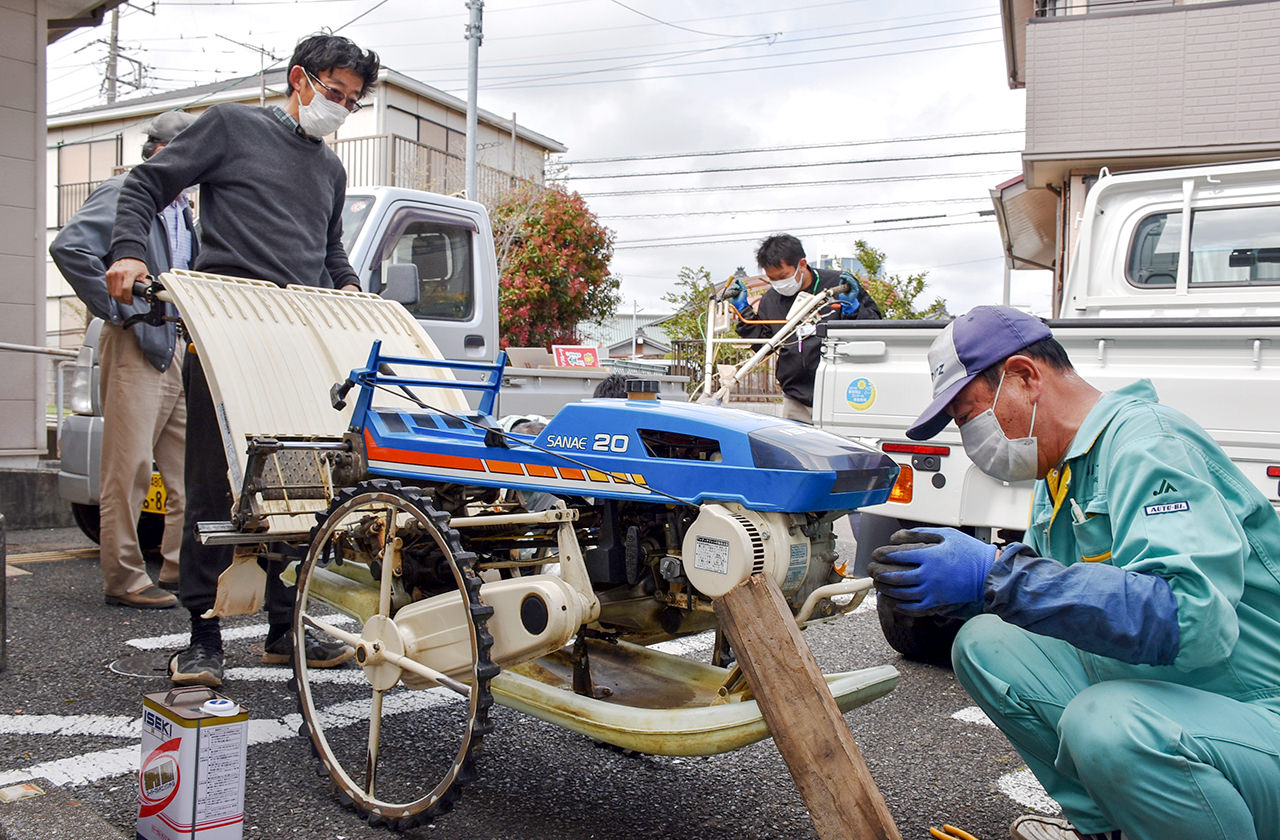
(849, 303)
(736, 292)
(932, 570)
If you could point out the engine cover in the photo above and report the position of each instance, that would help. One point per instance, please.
(728, 543)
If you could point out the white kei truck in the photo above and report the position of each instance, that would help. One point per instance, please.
(1175, 278)
(433, 253)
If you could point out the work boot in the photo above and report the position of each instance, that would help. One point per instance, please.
(199, 664)
(1036, 827)
(320, 654)
(151, 598)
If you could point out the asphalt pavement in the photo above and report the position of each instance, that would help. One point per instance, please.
(71, 697)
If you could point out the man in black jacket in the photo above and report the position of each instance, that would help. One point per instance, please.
(782, 259)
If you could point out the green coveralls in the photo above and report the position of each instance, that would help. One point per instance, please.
(1190, 750)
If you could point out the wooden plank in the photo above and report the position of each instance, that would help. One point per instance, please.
(843, 800)
(53, 556)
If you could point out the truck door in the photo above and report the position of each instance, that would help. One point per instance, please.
(442, 249)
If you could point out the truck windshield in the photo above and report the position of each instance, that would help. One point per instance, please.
(354, 214)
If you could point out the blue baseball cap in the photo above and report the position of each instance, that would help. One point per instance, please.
(978, 339)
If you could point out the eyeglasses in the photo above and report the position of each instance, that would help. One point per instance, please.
(335, 96)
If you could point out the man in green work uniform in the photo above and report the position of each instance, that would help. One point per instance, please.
(1130, 650)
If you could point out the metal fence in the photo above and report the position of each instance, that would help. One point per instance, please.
(380, 160)
(391, 160)
(1062, 8)
(760, 385)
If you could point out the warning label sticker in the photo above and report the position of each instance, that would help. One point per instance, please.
(711, 555)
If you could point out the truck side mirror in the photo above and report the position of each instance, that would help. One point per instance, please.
(400, 284)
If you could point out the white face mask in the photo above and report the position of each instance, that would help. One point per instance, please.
(321, 117)
(993, 452)
(787, 287)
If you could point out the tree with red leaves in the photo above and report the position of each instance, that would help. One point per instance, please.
(553, 258)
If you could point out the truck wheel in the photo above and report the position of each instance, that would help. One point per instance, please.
(150, 526)
(925, 638)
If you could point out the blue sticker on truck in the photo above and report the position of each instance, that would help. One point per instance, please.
(861, 394)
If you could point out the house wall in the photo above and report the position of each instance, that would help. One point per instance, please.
(1162, 84)
(22, 388)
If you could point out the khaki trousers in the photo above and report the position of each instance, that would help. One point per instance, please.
(796, 410)
(144, 420)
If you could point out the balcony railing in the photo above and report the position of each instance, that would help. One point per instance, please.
(1062, 8)
(382, 160)
(394, 161)
(71, 197)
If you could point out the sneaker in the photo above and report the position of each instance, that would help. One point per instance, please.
(151, 598)
(320, 654)
(1036, 827)
(197, 665)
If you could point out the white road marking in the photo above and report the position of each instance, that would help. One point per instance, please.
(1022, 787)
(90, 767)
(282, 673)
(176, 641)
(110, 726)
(972, 714)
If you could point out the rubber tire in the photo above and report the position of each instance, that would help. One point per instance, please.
(925, 638)
(150, 526)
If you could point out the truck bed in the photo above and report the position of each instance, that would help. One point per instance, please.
(1225, 373)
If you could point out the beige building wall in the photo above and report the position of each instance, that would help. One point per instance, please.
(22, 386)
(1198, 80)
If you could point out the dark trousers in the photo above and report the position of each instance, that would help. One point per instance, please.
(209, 500)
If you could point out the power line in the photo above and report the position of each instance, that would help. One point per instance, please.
(675, 25)
(813, 209)
(514, 80)
(797, 148)
(789, 184)
(789, 165)
(751, 237)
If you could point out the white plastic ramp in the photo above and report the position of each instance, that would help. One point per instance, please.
(272, 354)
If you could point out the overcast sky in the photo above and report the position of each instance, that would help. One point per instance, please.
(835, 121)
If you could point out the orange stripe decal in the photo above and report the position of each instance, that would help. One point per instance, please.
(424, 459)
(539, 471)
(596, 475)
(576, 475)
(619, 477)
(504, 467)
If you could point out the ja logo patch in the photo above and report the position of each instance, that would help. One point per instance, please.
(1165, 487)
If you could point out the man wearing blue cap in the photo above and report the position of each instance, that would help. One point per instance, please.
(1130, 650)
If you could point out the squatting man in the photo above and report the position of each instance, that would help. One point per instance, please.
(1130, 649)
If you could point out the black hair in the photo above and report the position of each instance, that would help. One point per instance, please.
(614, 385)
(779, 249)
(150, 147)
(319, 53)
(1046, 350)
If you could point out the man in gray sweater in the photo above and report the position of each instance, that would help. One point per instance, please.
(271, 197)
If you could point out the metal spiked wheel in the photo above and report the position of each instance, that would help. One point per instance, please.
(397, 755)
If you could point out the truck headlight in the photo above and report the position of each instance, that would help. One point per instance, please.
(80, 397)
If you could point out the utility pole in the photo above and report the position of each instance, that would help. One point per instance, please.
(263, 55)
(475, 35)
(513, 148)
(113, 51)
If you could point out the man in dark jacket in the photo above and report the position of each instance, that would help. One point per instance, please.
(782, 259)
(144, 416)
(271, 198)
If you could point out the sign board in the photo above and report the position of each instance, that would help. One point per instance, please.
(576, 355)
